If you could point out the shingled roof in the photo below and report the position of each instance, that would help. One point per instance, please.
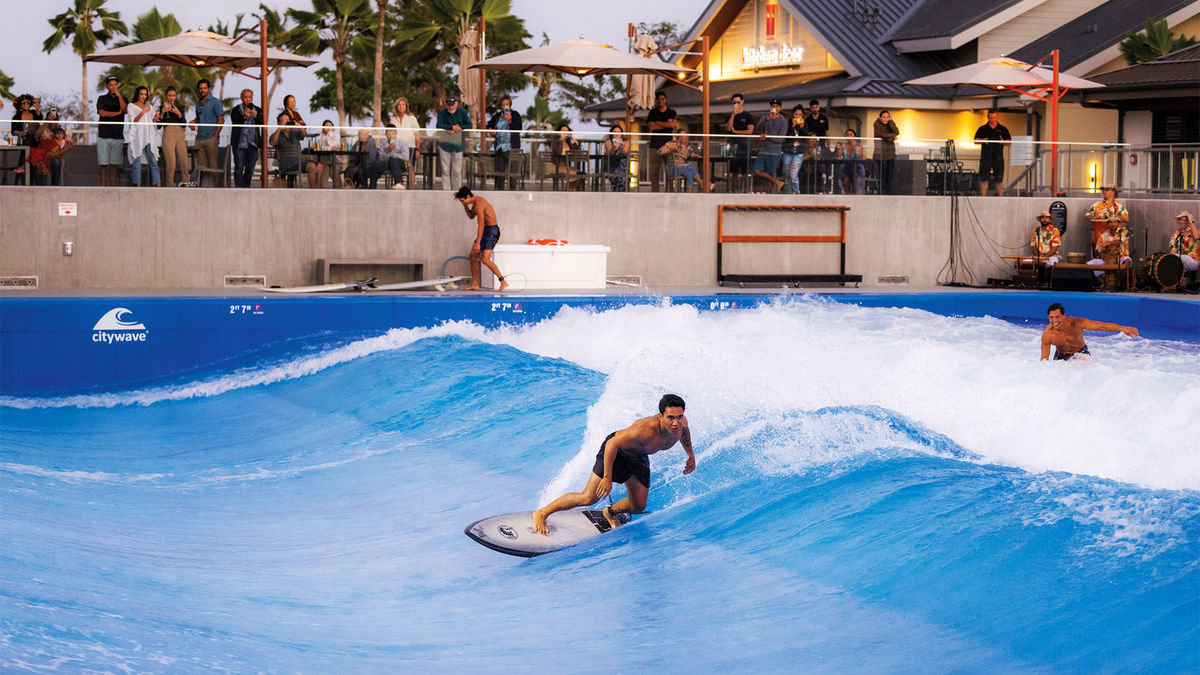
(1097, 30)
(1180, 67)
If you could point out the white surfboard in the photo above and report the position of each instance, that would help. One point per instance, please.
(368, 285)
(512, 533)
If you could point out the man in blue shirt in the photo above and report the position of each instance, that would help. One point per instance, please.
(505, 119)
(450, 122)
(210, 117)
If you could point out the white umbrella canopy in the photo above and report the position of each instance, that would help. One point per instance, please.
(201, 49)
(1002, 72)
(580, 58)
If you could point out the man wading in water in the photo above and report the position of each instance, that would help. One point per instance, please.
(1066, 333)
(624, 457)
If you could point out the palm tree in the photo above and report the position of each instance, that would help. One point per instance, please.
(1156, 40)
(6, 84)
(78, 25)
(377, 93)
(276, 27)
(340, 26)
(444, 22)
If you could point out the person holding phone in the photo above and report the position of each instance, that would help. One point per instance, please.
(505, 121)
(245, 139)
(171, 120)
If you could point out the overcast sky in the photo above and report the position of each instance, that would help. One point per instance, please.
(25, 27)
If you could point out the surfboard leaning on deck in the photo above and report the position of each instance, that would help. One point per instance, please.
(512, 533)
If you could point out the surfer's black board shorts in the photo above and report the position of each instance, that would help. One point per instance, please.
(624, 466)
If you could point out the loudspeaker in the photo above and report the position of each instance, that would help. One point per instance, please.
(1073, 280)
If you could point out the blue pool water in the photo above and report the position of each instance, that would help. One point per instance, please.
(877, 489)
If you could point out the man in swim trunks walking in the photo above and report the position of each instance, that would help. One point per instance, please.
(624, 457)
(485, 239)
(1066, 333)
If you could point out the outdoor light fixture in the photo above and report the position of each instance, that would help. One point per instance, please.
(1093, 169)
(199, 62)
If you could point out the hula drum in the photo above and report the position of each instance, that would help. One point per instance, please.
(1076, 258)
(1164, 270)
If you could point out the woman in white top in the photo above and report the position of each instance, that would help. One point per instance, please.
(331, 139)
(407, 129)
(141, 137)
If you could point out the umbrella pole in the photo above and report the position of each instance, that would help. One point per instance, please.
(262, 134)
(629, 84)
(482, 113)
(1054, 129)
(707, 150)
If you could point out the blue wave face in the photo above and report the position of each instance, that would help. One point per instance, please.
(307, 515)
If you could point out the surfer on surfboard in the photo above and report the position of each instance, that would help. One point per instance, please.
(624, 457)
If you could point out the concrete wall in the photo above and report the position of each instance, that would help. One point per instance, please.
(130, 238)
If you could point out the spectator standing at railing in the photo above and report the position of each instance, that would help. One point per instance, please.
(245, 141)
(1185, 241)
(793, 150)
(171, 120)
(110, 139)
(140, 138)
(886, 132)
(25, 119)
(210, 117)
(771, 126)
(741, 123)
(616, 155)
(662, 122)
(407, 129)
(451, 121)
(505, 121)
(818, 125)
(992, 137)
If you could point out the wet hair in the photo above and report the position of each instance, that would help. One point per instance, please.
(205, 83)
(463, 193)
(670, 401)
(1056, 306)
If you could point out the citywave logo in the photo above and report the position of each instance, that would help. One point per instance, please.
(118, 325)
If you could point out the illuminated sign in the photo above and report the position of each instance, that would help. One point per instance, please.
(762, 57)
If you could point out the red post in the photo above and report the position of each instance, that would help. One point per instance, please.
(1054, 96)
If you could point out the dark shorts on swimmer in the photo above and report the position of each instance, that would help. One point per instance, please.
(624, 466)
(491, 235)
(1060, 355)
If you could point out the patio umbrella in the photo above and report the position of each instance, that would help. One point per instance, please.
(468, 84)
(202, 49)
(641, 87)
(1036, 80)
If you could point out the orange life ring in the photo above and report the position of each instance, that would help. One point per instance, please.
(547, 242)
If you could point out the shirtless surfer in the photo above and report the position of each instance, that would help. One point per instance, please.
(1066, 333)
(625, 457)
(485, 238)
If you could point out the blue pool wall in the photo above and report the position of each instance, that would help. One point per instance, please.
(50, 345)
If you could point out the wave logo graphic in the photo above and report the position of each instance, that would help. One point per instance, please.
(118, 325)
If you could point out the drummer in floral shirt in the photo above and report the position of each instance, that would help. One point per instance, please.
(1105, 210)
(1116, 237)
(1185, 242)
(1046, 239)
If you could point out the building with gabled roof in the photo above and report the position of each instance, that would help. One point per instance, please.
(855, 55)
